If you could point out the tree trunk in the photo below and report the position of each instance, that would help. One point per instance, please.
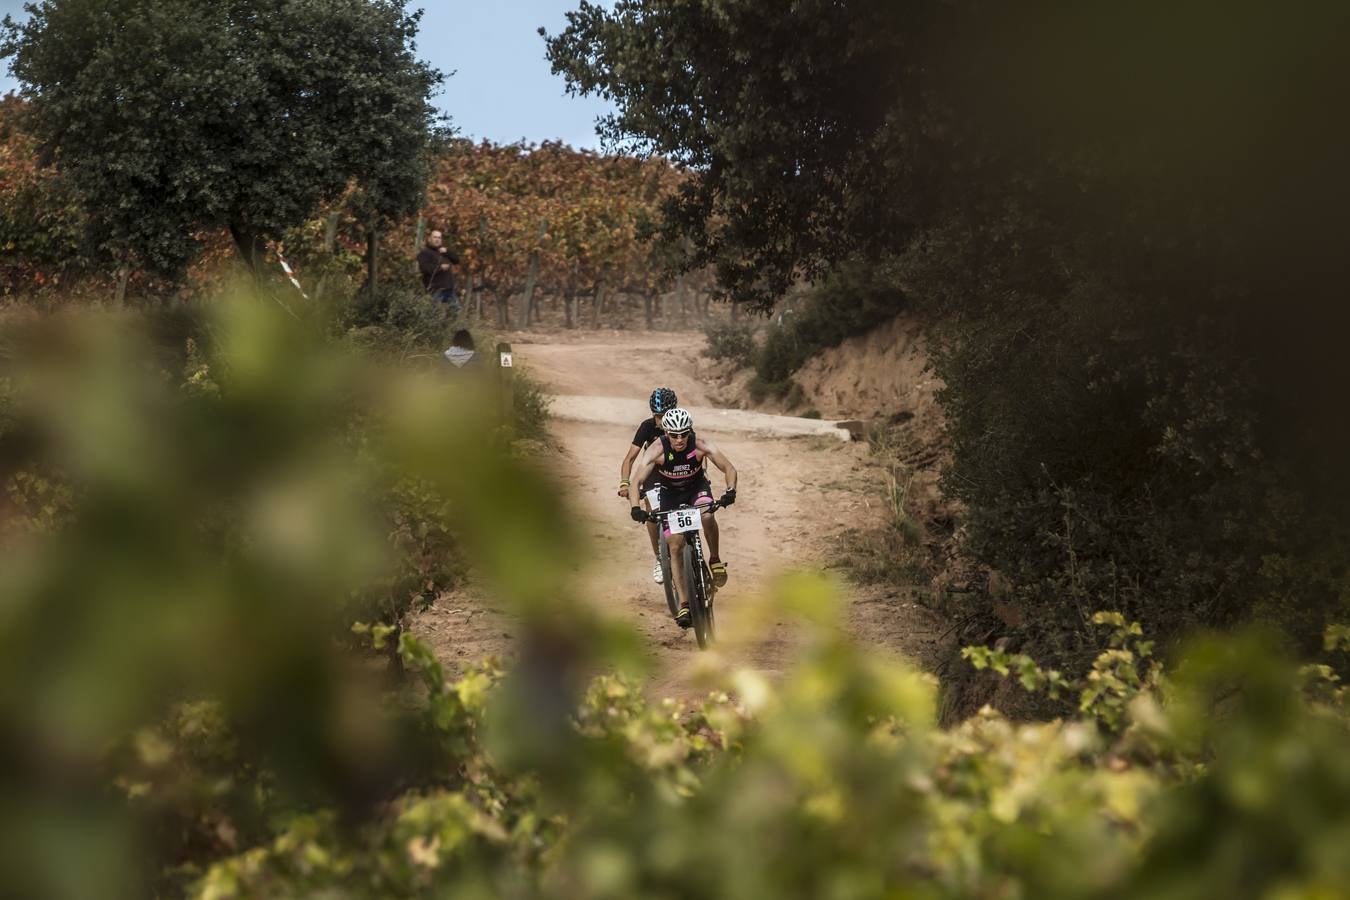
(527, 295)
(330, 234)
(250, 248)
(597, 301)
(531, 277)
(120, 293)
(372, 261)
(421, 232)
(569, 300)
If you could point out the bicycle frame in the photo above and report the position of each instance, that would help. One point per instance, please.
(699, 587)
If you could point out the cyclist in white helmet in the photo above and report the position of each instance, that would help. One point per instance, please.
(662, 400)
(677, 463)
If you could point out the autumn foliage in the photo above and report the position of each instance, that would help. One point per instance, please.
(524, 219)
(39, 221)
(533, 219)
(581, 212)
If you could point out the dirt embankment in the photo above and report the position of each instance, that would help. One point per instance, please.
(882, 379)
(874, 376)
(797, 496)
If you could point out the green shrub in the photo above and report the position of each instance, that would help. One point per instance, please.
(1112, 443)
(733, 341)
(214, 518)
(773, 792)
(761, 389)
(411, 320)
(531, 407)
(851, 300)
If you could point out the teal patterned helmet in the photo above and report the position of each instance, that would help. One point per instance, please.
(663, 399)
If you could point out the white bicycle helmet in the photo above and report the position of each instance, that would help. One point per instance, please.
(676, 421)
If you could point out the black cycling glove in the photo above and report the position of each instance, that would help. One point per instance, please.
(638, 514)
(728, 498)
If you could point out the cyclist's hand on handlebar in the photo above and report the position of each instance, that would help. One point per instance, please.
(638, 514)
(728, 498)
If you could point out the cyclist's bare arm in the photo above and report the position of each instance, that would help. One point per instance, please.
(719, 459)
(644, 468)
(626, 468)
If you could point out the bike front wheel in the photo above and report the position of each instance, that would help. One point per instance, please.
(699, 607)
(667, 579)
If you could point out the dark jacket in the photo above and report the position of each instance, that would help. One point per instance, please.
(434, 278)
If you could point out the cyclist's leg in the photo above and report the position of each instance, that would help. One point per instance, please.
(652, 533)
(703, 497)
(671, 499)
(713, 534)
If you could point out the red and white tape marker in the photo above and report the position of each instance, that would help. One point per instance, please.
(290, 273)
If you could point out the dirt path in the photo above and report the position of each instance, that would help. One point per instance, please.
(796, 495)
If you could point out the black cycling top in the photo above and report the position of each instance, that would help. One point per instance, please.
(647, 432)
(676, 469)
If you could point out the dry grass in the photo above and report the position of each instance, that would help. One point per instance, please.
(895, 553)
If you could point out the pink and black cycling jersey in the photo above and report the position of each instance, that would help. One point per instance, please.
(680, 469)
(681, 477)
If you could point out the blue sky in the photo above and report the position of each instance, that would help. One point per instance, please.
(502, 89)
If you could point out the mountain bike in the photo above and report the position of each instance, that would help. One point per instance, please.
(699, 587)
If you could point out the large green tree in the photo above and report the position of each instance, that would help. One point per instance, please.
(785, 110)
(172, 117)
(1125, 222)
(827, 127)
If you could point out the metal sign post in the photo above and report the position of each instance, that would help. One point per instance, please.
(505, 373)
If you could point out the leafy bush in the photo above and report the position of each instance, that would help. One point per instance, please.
(730, 340)
(399, 319)
(215, 515)
(770, 795)
(1116, 448)
(531, 407)
(760, 390)
(853, 299)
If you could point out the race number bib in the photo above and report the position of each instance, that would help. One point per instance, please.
(654, 498)
(683, 520)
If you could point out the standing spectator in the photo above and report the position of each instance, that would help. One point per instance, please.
(438, 279)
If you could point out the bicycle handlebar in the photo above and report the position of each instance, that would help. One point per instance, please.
(707, 508)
